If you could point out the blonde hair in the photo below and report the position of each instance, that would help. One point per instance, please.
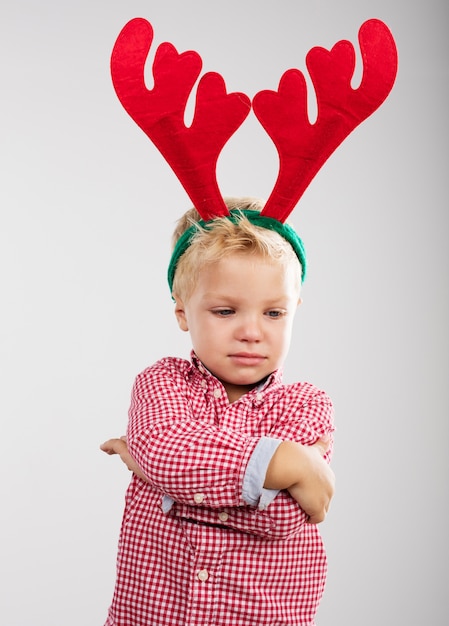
(224, 237)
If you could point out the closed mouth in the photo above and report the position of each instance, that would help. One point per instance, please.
(248, 358)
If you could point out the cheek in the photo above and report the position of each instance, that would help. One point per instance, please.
(284, 337)
(205, 331)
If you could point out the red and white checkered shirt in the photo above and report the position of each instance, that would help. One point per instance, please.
(192, 551)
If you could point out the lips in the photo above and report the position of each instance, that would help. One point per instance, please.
(247, 358)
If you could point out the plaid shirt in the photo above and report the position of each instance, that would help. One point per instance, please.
(192, 550)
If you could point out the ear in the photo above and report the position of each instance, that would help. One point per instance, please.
(180, 314)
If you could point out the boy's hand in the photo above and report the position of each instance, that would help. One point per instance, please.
(303, 472)
(118, 446)
(314, 491)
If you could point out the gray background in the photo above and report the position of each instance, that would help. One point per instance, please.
(87, 208)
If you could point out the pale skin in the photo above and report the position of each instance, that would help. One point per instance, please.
(240, 318)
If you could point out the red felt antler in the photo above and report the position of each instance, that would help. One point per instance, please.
(192, 152)
(304, 147)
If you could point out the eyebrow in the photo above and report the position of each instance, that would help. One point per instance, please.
(279, 300)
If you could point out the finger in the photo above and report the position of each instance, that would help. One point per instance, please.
(111, 446)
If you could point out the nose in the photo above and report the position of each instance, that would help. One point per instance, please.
(249, 329)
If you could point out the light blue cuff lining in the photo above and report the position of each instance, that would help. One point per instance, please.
(253, 491)
(167, 504)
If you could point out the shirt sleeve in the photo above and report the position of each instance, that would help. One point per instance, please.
(305, 415)
(253, 492)
(188, 459)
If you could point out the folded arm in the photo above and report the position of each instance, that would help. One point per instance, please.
(182, 456)
(177, 446)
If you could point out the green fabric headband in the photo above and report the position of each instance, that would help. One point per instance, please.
(286, 231)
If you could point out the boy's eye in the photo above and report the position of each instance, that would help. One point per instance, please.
(223, 312)
(274, 314)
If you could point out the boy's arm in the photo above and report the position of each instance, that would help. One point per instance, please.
(178, 448)
(282, 474)
(304, 473)
(183, 456)
(299, 469)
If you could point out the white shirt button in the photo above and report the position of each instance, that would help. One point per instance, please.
(217, 393)
(198, 498)
(203, 384)
(259, 396)
(203, 575)
(223, 516)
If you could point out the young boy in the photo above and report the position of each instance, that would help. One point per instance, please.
(230, 473)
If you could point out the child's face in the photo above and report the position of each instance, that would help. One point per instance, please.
(240, 317)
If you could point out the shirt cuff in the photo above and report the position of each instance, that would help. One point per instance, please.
(253, 491)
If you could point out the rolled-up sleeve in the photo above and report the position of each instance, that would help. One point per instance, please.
(180, 450)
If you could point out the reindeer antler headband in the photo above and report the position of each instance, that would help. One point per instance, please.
(303, 148)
